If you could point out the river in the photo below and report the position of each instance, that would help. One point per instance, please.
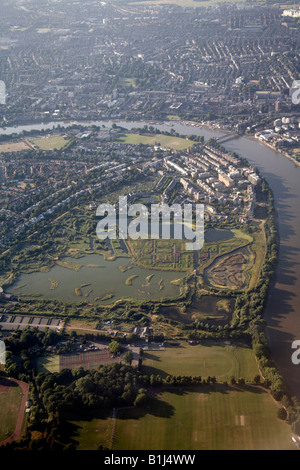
(282, 313)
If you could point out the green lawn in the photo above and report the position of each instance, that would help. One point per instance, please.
(215, 359)
(258, 250)
(49, 142)
(47, 364)
(10, 402)
(210, 418)
(92, 433)
(172, 142)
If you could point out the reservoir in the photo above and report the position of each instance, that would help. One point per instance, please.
(282, 313)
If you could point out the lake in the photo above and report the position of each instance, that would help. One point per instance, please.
(96, 279)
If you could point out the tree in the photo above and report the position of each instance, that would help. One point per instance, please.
(128, 357)
(282, 414)
(141, 397)
(12, 370)
(114, 347)
(257, 379)
(84, 385)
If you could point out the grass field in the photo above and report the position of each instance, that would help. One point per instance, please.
(211, 417)
(89, 434)
(207, 418)
(10, 402)
(47, 364)
(49, 142)
(43, 143)
(258, 249)
(215, 359)
(13, 147)
(172, 142)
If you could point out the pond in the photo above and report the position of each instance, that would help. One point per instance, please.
(215, 235)
(98, 281)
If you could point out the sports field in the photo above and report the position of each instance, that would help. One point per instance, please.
(50, 142)
(172, 142)
(92, 433)
(11, 396)
(213, 417)
(208, 418)
(86, 359)
(13, 147)
(215, 359)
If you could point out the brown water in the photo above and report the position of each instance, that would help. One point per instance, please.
(283, 309)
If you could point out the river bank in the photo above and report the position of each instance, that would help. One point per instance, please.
(272, 147)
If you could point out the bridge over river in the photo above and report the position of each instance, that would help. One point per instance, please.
(227, 137)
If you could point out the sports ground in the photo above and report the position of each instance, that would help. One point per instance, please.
(208, 417)
(205, 418)
(13, 396)
(222, 360)
(87, 360)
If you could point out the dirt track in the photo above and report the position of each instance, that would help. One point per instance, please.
(18, 429)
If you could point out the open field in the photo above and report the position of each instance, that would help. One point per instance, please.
(13, 147)
(211, 417)
(91, 433)
(50, 142)
(43, 143)
(47, 364)
(215, 359)
(12, 402)
(81, 325)
(172, 142)
(204, 418)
